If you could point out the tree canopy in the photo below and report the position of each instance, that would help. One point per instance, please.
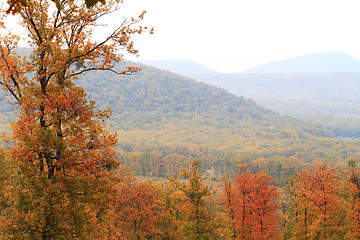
(62, 149)
(15, 6)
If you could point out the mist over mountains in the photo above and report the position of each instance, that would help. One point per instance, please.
(295, 93)
(325, 62)
(313, 63)
(181, 67)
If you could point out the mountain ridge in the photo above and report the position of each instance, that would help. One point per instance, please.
(323, 62)
(182, 67)
(294, 93)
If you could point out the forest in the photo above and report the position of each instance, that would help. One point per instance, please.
(95, 147)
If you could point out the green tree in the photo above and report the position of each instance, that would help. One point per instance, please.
(229, 201)
(168, 221)
(5, 176)
(198, 223)
(353, 185)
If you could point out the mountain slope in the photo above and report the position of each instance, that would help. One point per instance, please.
(166, 93)
(300, 93)
(312, 63)
(157, 96)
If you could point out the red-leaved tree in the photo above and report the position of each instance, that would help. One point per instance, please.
(251, 206)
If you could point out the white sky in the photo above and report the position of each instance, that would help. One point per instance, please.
(233, 35)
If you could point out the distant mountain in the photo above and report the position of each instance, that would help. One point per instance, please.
(181, 67)
(314, 63)
(295, 93)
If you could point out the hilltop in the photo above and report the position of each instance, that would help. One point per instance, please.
(181, 67)
(325, 62)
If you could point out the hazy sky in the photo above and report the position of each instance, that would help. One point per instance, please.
(233, 35)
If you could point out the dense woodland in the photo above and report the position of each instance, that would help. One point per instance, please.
(319, 202)
(177, 159)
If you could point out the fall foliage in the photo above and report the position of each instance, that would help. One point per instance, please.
(61, 177)
(319, 208)
(251, 206)
(16, 6)
(353, 215)
(135, 208)
(62, 149)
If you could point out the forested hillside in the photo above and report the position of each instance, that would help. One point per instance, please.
(154, 96)
(159, 115)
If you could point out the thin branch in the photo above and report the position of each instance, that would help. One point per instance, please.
(127, 72)
(12, 77)
(99, 44)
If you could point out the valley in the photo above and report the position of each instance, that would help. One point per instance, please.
(163, 117)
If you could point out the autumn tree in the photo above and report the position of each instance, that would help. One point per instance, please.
(5, 173)
(319, 207)
(251, 206)
(198, 223)
(229, 201)
(135, 210)
(353, 215)
(61, 145)
(16, 5)
(169, 222)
